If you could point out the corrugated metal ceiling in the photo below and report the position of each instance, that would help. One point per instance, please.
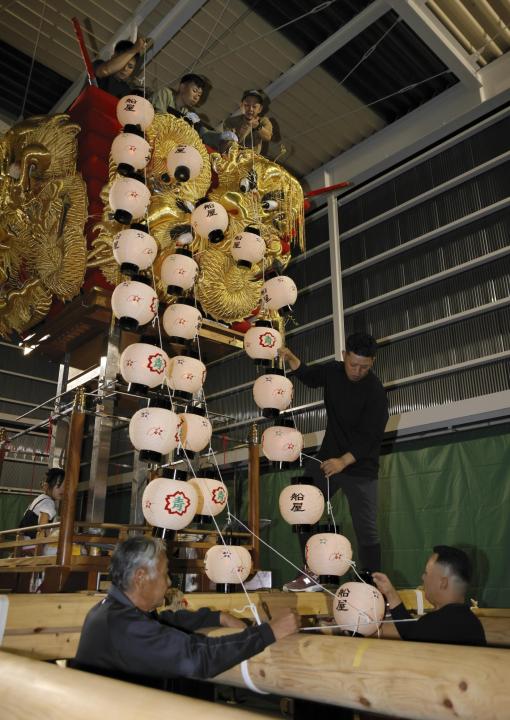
(240, 44)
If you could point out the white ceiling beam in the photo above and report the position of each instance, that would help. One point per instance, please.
(333, 43)
(144, 9)
(425, 126)
(170, 25)
(431, 30)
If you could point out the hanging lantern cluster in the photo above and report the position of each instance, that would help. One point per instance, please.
(248, 248)
(182, 320)
(129, 197)
(279, 293)
(273, 392)
(154, 431)
(134, 249)
(186, 376)
(262, 342)
(282, 444)
(359, 608)
(184, 163)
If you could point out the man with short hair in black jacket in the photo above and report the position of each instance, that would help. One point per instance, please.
(124, 637)
(357, 413)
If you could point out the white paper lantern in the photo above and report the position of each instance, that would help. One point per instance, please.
(262, 342)
(154, 431)
(134, 303)
(186, 375)
(182, 320)
(279, 292)
(212, 495)
(178, 272)
(328, 554)
(359, 607)
(196, 430)
(282, 444)
(248, 247)
(144, 365)
(301, 504)
(273, 392)
(169, 504)
(129, 199)
(130, 152)
(135, 110)
(227, 564)
(134, 249)
(184, 163)
(210, 220)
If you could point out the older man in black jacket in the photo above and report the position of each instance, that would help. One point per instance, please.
(124, 637)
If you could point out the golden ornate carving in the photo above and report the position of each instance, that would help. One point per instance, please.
(43, 208)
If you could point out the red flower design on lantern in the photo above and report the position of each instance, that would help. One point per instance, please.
(156, 363)
(218, 495)
(267, 340)
(177, 503)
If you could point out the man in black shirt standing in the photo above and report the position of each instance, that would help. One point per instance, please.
(445, 581)
(357, 413)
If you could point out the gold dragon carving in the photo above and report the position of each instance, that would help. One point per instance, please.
(253, 190)
(43, 208)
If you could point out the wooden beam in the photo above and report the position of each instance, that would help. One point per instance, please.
(417, 681)
(31, 689)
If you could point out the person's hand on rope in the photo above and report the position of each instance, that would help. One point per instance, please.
(285, 625)
(229, 621)
(289, 358)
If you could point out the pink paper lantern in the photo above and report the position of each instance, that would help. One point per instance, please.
(262, 342)
(282, 444)
(144, 366)
(196, 430)
(227, 564)
(184, 163)
(154, 432)
(129, 199)
(248, 247)
(186, 375)
(359, 607)
(182, 320)
(279, 292)
(328, 554)
(301, 504)
(209, 220)
(130, 152)
(134, 303)
(169, 504)
(178, 272)
(134, 249)
(212, 495)
(135, 110)
(273, 392)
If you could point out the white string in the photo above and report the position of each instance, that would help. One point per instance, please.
(203, 50)
(357, 625)
(22, 114)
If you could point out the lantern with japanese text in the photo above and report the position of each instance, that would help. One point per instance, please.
(273, 392)
(248, 247)
(144, 366)
(359, 608)
(182, 320)
(209, 220)
(135, 110)
(154, 432)
(169, 504)
(227, 564)
(178, 272)
(262, 342)
(186, 376)
(328, 554)
(184, 163)
(134, 249)
(212, 495)
(196, 430)
(129, 199)
(131, 152)
(281, 443)
(134, 303)
(279, 292)
(301, 504)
